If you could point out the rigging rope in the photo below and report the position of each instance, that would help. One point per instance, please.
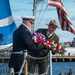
(40, 12)
(43, 14)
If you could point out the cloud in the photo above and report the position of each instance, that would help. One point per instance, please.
(25, 1)
(73, 18)
(29, 2)
(48, 9)
(16, 10)
(64, 35)
(21, 9)
(17, 18)
(20, 1)
(73, 1)
(51, 9)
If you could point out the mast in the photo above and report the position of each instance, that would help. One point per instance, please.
(35, 4)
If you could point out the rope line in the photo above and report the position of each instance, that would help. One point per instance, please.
(40, 12)
(29, 56)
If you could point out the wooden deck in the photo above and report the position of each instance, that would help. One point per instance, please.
(63, 58)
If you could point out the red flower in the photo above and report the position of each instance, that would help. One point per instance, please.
(57, 46)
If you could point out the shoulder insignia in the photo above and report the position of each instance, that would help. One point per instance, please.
(26, 29)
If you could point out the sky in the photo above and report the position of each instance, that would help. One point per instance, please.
(21, 8)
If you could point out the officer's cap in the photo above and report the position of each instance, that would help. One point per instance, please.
(30, 18)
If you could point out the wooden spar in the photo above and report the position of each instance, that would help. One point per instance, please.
(26, 67)
(25, 56)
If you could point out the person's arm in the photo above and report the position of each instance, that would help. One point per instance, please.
(29, 43)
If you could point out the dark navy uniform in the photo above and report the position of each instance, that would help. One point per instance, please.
(22, 40)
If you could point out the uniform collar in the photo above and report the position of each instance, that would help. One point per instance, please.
(26, 27)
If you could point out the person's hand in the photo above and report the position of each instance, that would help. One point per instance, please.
(53, 52)
(44, 46)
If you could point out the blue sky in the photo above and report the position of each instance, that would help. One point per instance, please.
(22, 8)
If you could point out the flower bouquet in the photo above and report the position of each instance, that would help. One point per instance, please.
(56, 48)
(39, 38)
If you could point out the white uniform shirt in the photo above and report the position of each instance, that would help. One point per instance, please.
(27, 27)
(48, 34)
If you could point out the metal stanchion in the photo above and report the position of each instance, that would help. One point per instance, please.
(11, 71)
(25, 64)
(50, 62)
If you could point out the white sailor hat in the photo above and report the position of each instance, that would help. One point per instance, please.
(30, 18)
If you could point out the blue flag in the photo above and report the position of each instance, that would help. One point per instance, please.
(7, 24)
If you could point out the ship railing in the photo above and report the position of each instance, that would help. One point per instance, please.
(49, 69)
(11, 70)
(25, 64)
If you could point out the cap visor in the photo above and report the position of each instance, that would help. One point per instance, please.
(31, 21)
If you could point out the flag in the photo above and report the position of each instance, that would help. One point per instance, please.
(7, 24)
(62, 15)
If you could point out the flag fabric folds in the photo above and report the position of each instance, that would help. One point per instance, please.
(7, 24)
(62, 15)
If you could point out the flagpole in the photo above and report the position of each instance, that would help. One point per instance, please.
(34, 14)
